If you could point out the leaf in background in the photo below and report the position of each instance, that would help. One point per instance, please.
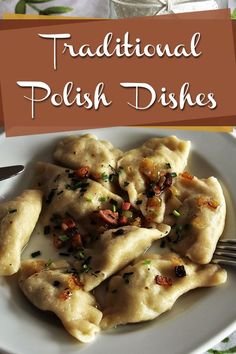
(20, 7)
(55, 10)
(233, 15)
(37, 1)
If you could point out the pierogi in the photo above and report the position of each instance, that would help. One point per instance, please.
(17, 221)
(143, 165)
(87, 150)
(65, 195)
(51, 287)
(199, 219)
(113, 250)
(151, 286)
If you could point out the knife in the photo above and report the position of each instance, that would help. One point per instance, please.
(10, 171)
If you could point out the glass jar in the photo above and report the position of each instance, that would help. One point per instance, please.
(132, 8)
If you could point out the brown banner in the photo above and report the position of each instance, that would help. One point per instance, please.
(26, 57)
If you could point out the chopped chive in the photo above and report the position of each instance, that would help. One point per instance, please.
(46, 229)
(88, 199)
(173, 174)
(119, 232)
(56, 178)
(58, 193)
(49, 262)
(126, 184)
(176, 213)
(102, 199)
(163, 244)
(12, 211)
(168, 165)
(147, 261)
(105, 177)
(120, 170)
(127, 213)
(64, 254)
(50, 196)
(63, 238)
(35, 254)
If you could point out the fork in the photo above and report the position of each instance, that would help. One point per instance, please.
(225, 252)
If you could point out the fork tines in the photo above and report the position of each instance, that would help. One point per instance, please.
(225, 252)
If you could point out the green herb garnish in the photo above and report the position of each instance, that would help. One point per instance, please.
(168, 165)
(35, 254)
(126, 184)
(49, 263)
(50, 196)
(176, 213)
(147, 261)
(173, 174)
(105, 177)
(63, 238)
(46, 229)
(12, 211)
(102, 199)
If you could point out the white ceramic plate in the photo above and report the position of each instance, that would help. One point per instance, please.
(199, 319)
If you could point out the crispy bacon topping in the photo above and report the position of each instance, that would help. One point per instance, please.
(109, 216)
(82, 172)
(163, 281)
(187, 175)
(208, 203)
(125, 206)
(67, 224)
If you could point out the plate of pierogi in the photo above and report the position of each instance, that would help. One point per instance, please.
(107, 241)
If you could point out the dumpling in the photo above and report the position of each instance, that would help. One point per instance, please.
(151, 286)
(198, 222)
(17, 221)
(147, 165)
(98, 155)
(51, 287)
(66, 194)
(113, 250)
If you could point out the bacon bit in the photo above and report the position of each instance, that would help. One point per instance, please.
(96, 176)
(164, 281)
(57, 242)
(109, 216)
(148, 168)
(73, 283)
(82, 172)
(123, 220)
(65, 295)
(125, 206)
(76, 241)
(154, 202)
(211, 204)
(187, 175)
(67, 224)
